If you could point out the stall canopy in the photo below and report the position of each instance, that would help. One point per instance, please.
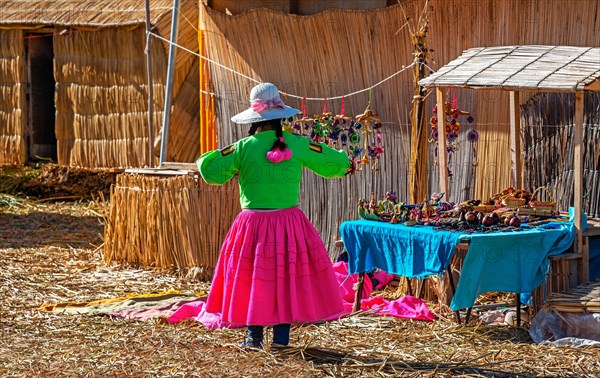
(528, 68)
(545, 68)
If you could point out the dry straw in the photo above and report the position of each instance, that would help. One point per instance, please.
(169, 222)
(63, 264)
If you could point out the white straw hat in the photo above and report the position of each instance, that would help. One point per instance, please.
(265, 104)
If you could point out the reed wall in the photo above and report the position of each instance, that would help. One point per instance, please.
(184, 137)
(101, 97)
(12, 97)
(548, 121)
(340, 51)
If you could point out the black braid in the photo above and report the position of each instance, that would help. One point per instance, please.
(278, 143)
(253, 128)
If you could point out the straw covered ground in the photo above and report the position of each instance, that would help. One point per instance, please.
(51, 252)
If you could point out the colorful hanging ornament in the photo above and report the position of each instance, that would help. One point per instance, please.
(450, 116)
(361, 137)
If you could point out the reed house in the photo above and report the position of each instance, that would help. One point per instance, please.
(74, 86)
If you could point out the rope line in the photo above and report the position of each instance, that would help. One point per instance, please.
(404, 68)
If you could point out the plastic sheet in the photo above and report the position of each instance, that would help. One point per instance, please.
(550, 325)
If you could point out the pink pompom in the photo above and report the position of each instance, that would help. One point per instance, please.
(277, 156)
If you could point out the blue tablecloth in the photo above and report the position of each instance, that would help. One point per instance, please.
(500, 261)
(515, 262)
(417, 251)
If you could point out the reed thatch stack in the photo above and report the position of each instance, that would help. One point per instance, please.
(339, 51)
(174, 222)
(12, 98)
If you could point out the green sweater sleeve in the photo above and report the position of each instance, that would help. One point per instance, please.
(326, 161)
(218, 166)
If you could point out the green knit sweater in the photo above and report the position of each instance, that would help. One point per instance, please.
(267, 185)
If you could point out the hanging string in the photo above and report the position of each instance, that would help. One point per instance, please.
(324, 106)
(404, 68)
(370, 97)
(342, 109)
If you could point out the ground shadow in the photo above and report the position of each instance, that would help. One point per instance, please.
(320, 356)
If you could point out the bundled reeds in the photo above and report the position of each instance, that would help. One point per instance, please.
(175, 222)
(339, 51)
(12, 98)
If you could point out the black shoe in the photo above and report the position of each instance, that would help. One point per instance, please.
(250, 345)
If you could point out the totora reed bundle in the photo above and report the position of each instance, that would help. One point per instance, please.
(175, 222)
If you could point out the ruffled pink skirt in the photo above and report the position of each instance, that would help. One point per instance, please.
(274, 269)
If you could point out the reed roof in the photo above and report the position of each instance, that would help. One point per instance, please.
(551, 68)
(86, 13)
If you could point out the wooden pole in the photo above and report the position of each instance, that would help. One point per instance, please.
(170, 78)
(516, 161)
(583, 264)
(442, 155)
(359, 291)
(203, 96)
(419, 143)
(150, 89)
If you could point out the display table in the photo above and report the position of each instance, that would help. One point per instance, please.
(514, 261)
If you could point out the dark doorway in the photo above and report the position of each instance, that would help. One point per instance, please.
(41, 136)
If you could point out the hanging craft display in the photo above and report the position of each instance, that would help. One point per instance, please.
(360, 137)
(451, 118)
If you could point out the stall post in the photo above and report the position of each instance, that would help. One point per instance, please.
(169, 88)
(516, 176)
(442, 155)
(583, 263)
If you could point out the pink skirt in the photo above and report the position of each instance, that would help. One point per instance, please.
(274, 269)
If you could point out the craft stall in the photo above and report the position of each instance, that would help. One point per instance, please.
(508, 240)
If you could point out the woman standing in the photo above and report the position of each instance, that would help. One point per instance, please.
(273, 269)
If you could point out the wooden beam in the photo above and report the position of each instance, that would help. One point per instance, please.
(593, 86)
(516, 161)
(442, 155)
(583, 266)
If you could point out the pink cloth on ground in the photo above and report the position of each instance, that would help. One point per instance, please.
(407, 307)
(273, 268)
(197, 311)
(383, 278)
(347, 283)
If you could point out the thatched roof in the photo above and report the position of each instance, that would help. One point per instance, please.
(551, 68)
(86, 13)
